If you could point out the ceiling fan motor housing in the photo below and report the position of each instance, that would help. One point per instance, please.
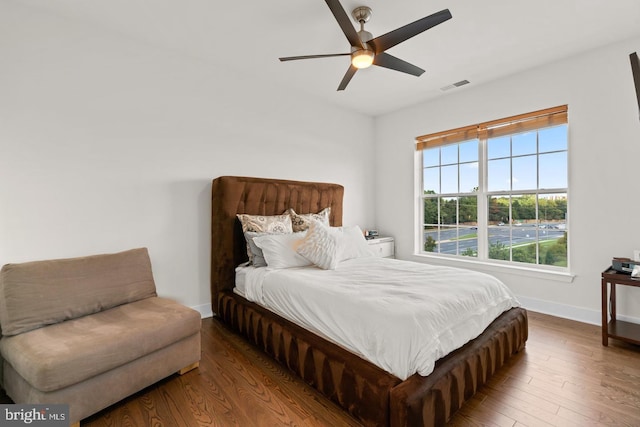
(365, 36)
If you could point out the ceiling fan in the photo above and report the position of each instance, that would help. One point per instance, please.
(366, 50)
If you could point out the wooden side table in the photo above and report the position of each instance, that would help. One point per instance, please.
(618, 329)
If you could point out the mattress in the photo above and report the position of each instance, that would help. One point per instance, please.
(241, 278)
(401, 316)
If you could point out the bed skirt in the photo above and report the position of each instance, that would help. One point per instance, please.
(370, 394)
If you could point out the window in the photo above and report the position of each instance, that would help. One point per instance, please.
(498, 190)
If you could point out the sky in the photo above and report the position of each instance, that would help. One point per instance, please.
(548, 153)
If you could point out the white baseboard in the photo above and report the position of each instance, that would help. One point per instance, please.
(580, 314)
(204, 309)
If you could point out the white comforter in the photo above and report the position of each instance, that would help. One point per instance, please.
(402, 316)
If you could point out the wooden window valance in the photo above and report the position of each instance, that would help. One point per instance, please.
(509, 125)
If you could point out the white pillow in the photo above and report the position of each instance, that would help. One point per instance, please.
(353, 244)
(279, 250)
(257, 257)
(320, 246)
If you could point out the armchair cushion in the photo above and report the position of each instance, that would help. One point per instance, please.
(67, 353)
(40, 293)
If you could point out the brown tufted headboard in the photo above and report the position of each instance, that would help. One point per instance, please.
(231, 195)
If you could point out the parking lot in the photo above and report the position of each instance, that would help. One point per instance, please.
(453, 241)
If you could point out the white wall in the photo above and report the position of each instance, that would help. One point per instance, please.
(604, 153)
(107, 143)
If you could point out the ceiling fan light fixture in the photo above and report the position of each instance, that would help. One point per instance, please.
(362, 58)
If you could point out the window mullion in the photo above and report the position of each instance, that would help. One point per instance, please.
(537, 229)
(483, 210)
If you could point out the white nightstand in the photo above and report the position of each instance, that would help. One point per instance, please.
(383, 247)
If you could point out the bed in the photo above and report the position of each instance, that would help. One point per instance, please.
(370, 394)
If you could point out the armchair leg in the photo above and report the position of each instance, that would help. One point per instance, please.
(189, 368)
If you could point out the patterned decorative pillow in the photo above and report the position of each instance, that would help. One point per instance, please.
(266, 224)
(274, 224)
(320, 246)
(301, 222)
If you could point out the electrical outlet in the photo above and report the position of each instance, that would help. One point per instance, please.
(636, 254)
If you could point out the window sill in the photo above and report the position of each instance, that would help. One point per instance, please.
(492, 267)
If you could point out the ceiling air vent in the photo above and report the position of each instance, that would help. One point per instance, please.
(455, 85)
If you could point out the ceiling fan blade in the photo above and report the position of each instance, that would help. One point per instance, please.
(388, 61)
(344, 22)
(329, 55)
(392, 38)
(347, 77)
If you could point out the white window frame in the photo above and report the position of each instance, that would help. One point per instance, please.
(483, 214)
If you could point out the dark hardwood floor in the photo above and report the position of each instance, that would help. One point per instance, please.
(565, 377)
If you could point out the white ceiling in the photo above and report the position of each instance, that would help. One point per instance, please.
(484, 40)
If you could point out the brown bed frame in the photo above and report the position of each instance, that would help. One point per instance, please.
(368, 393)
